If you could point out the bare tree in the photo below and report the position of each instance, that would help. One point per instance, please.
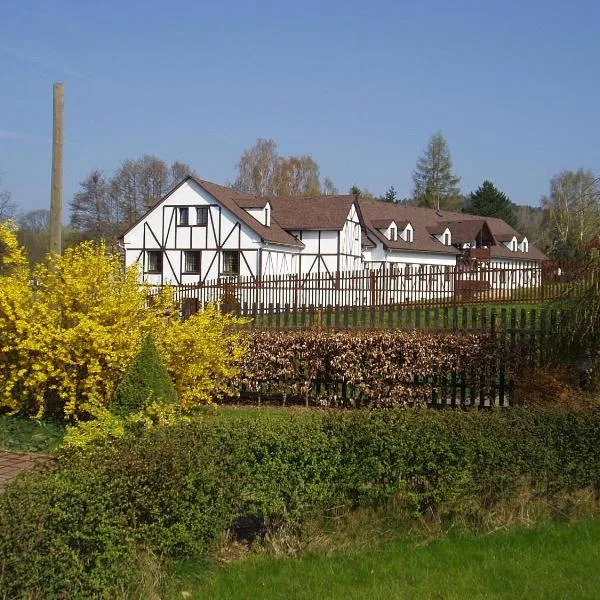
(572, 211)
(105, 207)
(95, 211)
(329, 188)
(263, 172)
(298, 176)
(435, 186)
(35, 221)
(7, 206)
(258, 169)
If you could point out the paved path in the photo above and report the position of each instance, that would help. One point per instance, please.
(12, 463)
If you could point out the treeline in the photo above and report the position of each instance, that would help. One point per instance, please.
(566, 220)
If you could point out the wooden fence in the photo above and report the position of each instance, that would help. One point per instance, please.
(470, 282)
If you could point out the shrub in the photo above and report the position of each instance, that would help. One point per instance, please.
(70, 328)
(73, 532)
(376, 368)
(146, 380)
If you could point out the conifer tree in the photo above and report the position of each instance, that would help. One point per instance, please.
(146, 381)
(489, 201)
(436, 186)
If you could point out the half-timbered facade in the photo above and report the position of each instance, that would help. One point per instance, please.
(201, 231)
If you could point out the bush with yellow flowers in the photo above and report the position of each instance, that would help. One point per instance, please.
(70, 328)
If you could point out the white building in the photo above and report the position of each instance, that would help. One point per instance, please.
(201, 232)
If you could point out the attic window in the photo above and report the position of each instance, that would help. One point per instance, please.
(267, 216)
(446, 239)
(514, 245)
(184, 216)
(409, 235)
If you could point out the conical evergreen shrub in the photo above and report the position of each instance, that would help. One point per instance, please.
(146, 381)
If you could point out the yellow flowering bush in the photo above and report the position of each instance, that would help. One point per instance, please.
(70, 328)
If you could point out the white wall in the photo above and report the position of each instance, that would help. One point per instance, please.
(160, 228)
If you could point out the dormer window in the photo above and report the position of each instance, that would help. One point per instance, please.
(267, 216)
(514, 245)
(408, 234)
(446, 239)
(184, 216)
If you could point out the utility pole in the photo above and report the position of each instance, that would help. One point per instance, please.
(57, 170)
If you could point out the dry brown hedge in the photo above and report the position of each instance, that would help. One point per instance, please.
(375, 368)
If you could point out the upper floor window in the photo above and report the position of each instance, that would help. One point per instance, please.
(202, 215)
(184, 216)
(446, 239)
(514, 246)
(409, 235)
(154, 261)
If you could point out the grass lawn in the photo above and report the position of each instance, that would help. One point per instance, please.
(19, 434)
(402, 316)
(557, 560)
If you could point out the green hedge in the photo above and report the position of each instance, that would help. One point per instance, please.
(74, 531)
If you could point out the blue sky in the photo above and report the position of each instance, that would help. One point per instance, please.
(360, 86)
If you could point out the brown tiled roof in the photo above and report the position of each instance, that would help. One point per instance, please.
(232, 199)
(464, 231)
(419, 218)
(366, 241)
(251, 201)
(320, 212)
(501, 231)
(381, 223)
(507, 237)
(426, 221)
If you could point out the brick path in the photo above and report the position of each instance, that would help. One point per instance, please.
(12, 463)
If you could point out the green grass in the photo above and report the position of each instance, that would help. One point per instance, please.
(20, 434)
(557, 560)
(406, 316)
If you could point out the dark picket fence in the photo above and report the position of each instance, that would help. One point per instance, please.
(468, 283)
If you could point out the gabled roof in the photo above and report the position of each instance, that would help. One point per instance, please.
(319, 212)
(465, 231)
(233, 200)
(381, 223)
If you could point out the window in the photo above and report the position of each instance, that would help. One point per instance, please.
(267, 216)
(191, 261)
(184, 216)
(446, 239)
(154, 261)
(394, 234)
(202, 215)
(514, 245)
(409, 235)
(231, 262)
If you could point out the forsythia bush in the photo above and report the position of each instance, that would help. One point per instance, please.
(70, 328)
